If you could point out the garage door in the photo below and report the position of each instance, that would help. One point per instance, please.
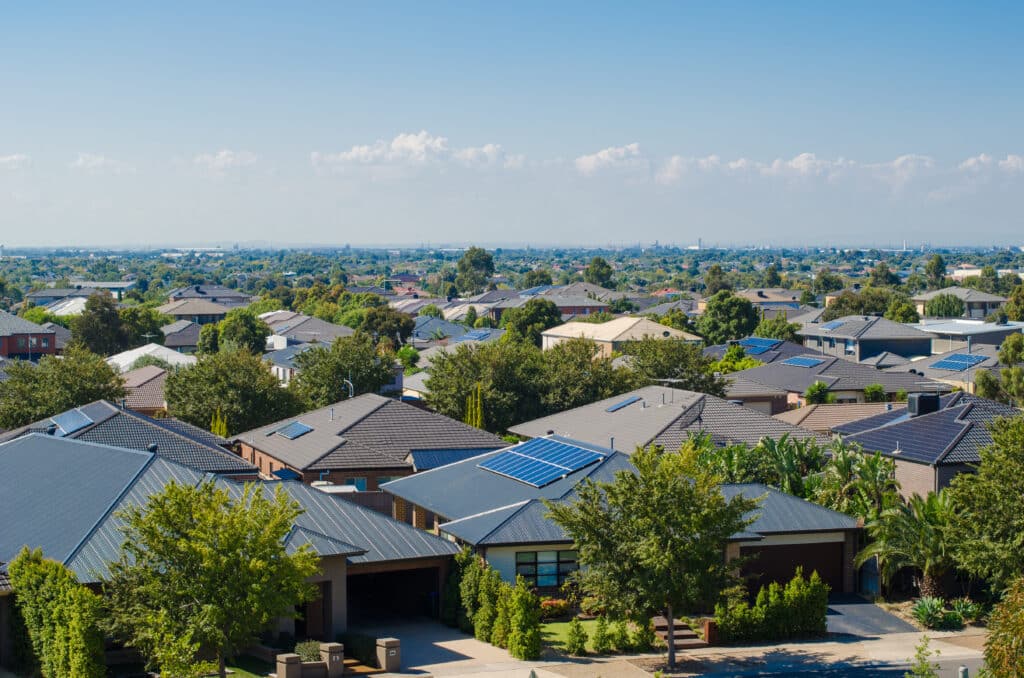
(778, 563)
(402, 594)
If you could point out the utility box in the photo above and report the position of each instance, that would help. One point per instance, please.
(389, 654)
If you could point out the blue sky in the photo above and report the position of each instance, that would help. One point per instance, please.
(571, 123)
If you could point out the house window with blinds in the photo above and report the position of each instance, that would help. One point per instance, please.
(546, 569)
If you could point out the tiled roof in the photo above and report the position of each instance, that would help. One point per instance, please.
(786, 349)
(11, 324)
(864, 327)
(660, 415)
(304, 328)
(181, 334)
(368, 431)
(740, 388)
(5, 579)
(218, 292)
(426, 327)
(75, 515)
(145, 387)
(125, 360)
(839, 374)
(825, 418)
(952, 435)
(963, 293)
(885, 359)
(619, 329)
(62, 335)
(186, 307)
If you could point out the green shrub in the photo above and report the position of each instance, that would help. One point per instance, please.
(553, 608)
(968, 610)
(644, 639)
(928, 612)
(797, 610)
(503, 618)
(951, 620)
(524, 622)
(483, 621)
(451, 602)
(602, 640)
(469, 592)
(592, 606)
(576, 641)
(308, 650)
(620, 636)
(60, 615)
(361, 646)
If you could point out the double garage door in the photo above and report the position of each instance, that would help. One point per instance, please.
(779, 562)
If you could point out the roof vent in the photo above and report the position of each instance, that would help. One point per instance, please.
(51, 429)
(151, 448)
(922, 403)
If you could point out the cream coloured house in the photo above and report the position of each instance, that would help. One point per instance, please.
(613, 334)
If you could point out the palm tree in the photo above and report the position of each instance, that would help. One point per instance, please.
(793, 464)
(857, 484)
(915, 534)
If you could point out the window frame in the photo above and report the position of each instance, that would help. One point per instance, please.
(529, 565)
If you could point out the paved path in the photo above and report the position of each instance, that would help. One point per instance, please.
(855, 616)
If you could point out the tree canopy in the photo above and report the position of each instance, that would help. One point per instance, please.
(777, 328)
(384, 321)
(676, 363)
(944, 306)
(726, 317)
(201, 571)
(98, 327)
(598, 272)
(475, 269)
(322, 370)
(526, 323)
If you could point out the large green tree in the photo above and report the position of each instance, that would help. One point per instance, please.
(534, 278)
(33, 392)
(826, 281)
(204, 571)
(384, 321)
(778, 328)
(858, 484)
(576, 374)
(653, 541)
(242, 329)
(598, 272)
(715, 280)
(322, 370)
(726, 317)
(475, 269)
(1007, 384)
(901, 310)
(944, 306)
(882, 276)
(676, 363)
(935, 270)
(869, 301)
(1014, 307)
(1004, 647)
(526, 323)
(98, 327)
(236, 383)
(140, 325)
(989, 524)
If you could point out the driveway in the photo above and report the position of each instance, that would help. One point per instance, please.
(851, 615)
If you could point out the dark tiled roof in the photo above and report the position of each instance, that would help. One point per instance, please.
(145, 387)
(952, 435)
(427, 326)
(181, 334)
(864, 327)
(786, 349)
(885, 359)
(11, 324)
(75, 515)
(839, 374)
(962, 293)
(220, 293)
(5, 579)
(307, 329)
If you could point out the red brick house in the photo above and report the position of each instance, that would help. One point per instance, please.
(24, 340)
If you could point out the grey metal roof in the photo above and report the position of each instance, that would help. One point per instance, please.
(74, 515)
(662, 415)
(885, 359)
(924, 368)
(839, 374)
(176, 440)
(308, 329)
(368, 431)
(962, 293)
(864, 327)
(181, 334)
(952, 435)
(964, 327)
(11, 324)
(781, 513)
(427, 326)
(285, 357)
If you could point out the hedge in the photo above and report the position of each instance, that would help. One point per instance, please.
(797, 610)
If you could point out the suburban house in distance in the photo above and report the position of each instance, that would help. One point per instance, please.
(958, 368)
(659, 415)
(751, 394)
(759, 348)
(105, 423)
(846, 380)
(613, 335)
(977, 304)
(145, 390)
(218, 294)
(825, 418)
(49, 295)
(24, 340)
(287, 327)
(567, 306)
(493, 502)
(199, 311)
(368, 562)
(772, 298)
(125, 360)
(857, 337)
(61, 335)
(962, 335)
(182, 336)
(361, 442)
(932, 440)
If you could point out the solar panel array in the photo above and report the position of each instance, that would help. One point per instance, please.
(831, 325)
(625, 403)
(803, 361)
(294, 430)
(71, 421)
(958, 362)
(540, 461)
(758, 345)
(475, 335)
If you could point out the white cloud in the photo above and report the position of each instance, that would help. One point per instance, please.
(15, 161)
(898, 172)
(415, 150)
(488, 155)
(807, 165)
(672, 170)
(976, 164)
(614, 156)
(1012, 163)
(224, 160)
(93, 163)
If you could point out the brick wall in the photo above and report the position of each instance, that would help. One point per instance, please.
(914, 478)
(267, 464)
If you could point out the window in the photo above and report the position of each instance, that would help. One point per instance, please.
(385, 479)
(360, 483)
(851, 346)
(545, 568)
(46, 342)
(21, 342)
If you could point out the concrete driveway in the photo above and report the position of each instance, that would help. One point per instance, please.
(851, 615)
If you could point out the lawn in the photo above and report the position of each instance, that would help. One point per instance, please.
(249, 667)
(554, 634)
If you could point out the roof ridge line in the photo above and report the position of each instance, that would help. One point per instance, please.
(179, 434)
(521, 506)
(967, 426)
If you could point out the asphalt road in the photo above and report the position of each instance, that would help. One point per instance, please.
(946, 670)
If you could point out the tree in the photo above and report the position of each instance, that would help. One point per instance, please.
(1005, 385)
(923, 666)
(901, 310)
(826, 281)
(431, 311)
(535, 278)
(944, 306)
(524, 637)
(242, 329)
(874, 393)
(676, 363)
(99, 326)
(734, 360)
(882, 276)
(209, 339)
(771, 276)
(408, 356)
(1004, 648)
(726, 317)
(527, 322)
(714, 280)
(1014, 307)
(858, 484)
(471, 317)
(141, 325)
(916, 534)
(988, 525)
(237, 383)
(201, 570)
(935, 270)
(777, 328)
(322, 370)
(575, 373)
(598, 272)
(33, 392)
(384, 321)
(652, 541)
(818, 394)
(869, 301)
(475, 269)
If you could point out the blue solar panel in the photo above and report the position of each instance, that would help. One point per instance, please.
(540, 461)
(829, 326)
(968, 358)
(625, 403)
(802, 361)
(755, 350)
(294, 430)
(71, 421)
(958, 362)
(759, 342)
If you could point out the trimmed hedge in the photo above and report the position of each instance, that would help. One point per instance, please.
(795, 611)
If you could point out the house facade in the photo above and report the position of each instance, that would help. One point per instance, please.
(977, 304)
(858, 338)
(24, 340)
